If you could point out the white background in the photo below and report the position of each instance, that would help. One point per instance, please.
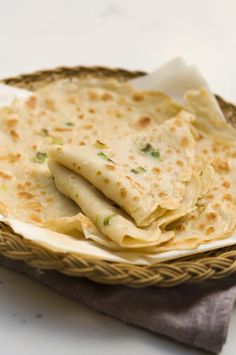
(136, 34)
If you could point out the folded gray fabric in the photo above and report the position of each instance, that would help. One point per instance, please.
(197, 315)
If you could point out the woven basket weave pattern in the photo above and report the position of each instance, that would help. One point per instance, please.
(214, 264)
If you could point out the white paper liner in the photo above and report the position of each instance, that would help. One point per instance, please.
(62, 243)
(8, 94)
(174, 78)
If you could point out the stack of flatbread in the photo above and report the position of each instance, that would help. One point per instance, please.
(124, 168)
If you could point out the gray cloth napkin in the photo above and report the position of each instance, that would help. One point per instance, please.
(197, 315)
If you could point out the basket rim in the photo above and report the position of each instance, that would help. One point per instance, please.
(199, 267)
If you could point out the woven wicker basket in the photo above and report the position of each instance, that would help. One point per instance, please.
(214, 264)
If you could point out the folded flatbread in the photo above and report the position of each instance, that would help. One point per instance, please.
(145, 175)
(109, 219)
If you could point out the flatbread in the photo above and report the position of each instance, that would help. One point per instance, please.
(145, 175)
(213, 219)
(199, 185)
(202, 104)
(69, 111)
(83, 115)
(110, 220)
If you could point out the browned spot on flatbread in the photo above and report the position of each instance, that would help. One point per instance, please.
(228, 197)
(106, 97)
(216, 205)
(25, 195)
(12, 157)
(11, 122)
(226, 184)
(50, 104)
(62, 129)
(5, 176)
(92, 95)
(143, 122)
(31, 102)
(184, 142)
(221, 166)
(210, 230)
(211, 216)
(156, 170)
(138, 96)
(179, 163)
(123, 192)
(15, 136)
(109, 167)
(199, 137)
(20, 186)
(35, 206)
(34, 217)
(136, 198)
(219, 146)
(180, 228)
